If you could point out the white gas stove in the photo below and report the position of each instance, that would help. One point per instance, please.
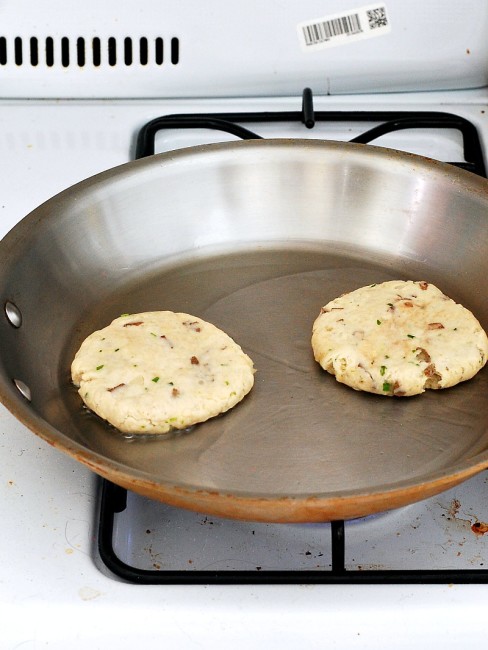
(411, 577)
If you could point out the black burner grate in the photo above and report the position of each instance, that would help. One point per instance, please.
(114, 498)
(391, 121)
(114, 502)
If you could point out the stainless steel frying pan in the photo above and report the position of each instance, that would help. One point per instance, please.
(255, 237)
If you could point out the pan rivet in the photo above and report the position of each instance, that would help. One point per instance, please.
(13, 314)
(23, 389)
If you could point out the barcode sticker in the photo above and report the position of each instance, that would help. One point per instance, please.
(347, 27)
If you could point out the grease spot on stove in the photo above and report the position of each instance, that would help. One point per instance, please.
(454, 507)
(479, 528)
(88, 593)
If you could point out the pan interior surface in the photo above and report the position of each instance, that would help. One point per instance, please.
(299, 432)
(255, 238)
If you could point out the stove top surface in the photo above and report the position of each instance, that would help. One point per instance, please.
(50, 502)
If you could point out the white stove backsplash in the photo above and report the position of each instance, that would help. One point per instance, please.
(225, 49)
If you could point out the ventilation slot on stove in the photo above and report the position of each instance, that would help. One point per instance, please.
(94, 51)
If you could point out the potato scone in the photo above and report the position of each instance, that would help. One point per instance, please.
(152, 372)
(398, 338)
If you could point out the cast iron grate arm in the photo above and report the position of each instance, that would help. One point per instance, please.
(390, 122)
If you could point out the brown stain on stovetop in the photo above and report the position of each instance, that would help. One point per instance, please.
(479, 528)
(454, 508)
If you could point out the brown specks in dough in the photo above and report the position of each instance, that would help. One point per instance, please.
(111, 390)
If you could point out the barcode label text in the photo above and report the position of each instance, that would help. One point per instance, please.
(357, 24)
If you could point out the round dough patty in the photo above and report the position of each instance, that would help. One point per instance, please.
(157, 371)
(398, 338)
